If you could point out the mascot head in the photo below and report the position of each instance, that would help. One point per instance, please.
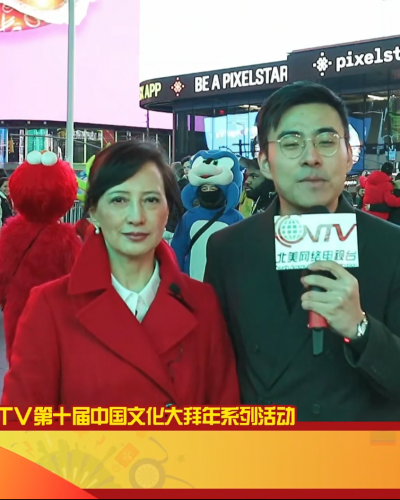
(215, 179)
(43, 188)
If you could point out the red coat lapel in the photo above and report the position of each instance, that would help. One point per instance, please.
(109, 319)
(104, 314)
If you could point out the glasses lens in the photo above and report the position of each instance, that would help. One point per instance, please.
(327, 143)
(292, 145)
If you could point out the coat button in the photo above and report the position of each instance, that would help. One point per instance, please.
(316, 409)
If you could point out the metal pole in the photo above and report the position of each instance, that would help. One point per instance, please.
(71, 67)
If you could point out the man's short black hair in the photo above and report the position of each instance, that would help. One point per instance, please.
(248, 163)
(185, 159)
(387, 168)
(292, 95)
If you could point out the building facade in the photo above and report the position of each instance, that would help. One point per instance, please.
(218, 110)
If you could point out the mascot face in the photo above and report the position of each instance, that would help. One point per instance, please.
(208, 168)
(43, 188)
(220, 169)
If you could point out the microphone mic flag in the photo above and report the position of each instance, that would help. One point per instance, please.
(317, 323)
(316, 235)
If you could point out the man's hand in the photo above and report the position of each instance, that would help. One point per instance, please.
(367, 208)
(340, 304)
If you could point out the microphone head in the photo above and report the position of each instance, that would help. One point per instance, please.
(320, 209)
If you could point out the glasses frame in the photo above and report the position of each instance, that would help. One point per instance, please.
(305, 141)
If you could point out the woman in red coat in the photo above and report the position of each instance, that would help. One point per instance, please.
(126, 327)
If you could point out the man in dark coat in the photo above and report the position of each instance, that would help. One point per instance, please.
(305, 150)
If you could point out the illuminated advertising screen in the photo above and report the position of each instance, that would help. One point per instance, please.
(33, 62)
(207, 35)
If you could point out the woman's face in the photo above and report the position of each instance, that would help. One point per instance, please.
(4, 189)
(133, 215)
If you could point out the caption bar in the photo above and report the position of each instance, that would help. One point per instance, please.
(244, 416)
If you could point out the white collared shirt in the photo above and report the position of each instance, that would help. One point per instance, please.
(139, 303)
(2, 195)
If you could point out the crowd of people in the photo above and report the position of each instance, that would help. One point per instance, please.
(128, 325)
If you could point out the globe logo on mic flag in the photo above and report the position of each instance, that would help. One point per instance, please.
(289, 230)
(301, 240)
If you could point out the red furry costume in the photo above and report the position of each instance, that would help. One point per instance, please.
(35, 247)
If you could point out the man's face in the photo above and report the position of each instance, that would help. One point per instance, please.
(254, 181)
(186, 167)
(311, 179)
(4, 189)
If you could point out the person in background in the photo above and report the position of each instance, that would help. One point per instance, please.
(305, 149)
(186, 163)
(245, 205)
(394, 213)
(176, 214)
(180, 175)
(348, 197)
(363, 178)
(3, 175)
(359, 199)
(4, 200)
(360, 189)
(379, 189)
(126, 327)
(257, 187)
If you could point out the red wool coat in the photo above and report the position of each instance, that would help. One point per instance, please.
(78, 344)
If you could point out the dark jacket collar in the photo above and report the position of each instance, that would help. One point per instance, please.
(344, 207)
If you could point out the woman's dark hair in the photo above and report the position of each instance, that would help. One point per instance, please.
(3, 180)
(292, 95)
(121, 161)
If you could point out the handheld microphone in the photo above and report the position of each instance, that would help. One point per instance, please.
(300, 240)
(317, 323)
(177, 294)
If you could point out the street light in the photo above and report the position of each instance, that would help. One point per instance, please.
(70, 97)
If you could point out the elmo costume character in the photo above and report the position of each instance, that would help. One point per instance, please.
(35, 247)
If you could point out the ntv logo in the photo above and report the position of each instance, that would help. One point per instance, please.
(378, 56)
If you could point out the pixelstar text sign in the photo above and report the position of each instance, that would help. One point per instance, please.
(301, 240)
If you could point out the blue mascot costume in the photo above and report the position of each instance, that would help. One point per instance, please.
(215, 187)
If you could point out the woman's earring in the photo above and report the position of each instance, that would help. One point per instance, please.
(97, 230)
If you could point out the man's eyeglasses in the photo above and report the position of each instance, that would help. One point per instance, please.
(293, 145)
